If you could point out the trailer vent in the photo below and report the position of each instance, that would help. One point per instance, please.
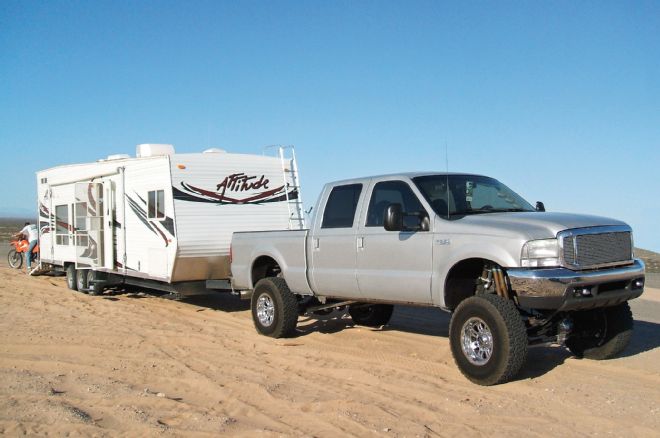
(215, 151)
(117, 157)
(153, 150)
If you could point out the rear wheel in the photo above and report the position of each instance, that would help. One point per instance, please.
(488, 339)
(274, 308)
(81, 280)
(94, 286)
(601, 333)
(371, 315)
(15, 259)
(71, 276)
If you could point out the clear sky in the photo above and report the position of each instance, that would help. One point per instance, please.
(559, 100)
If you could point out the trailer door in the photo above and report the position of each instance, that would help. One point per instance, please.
(88, 225)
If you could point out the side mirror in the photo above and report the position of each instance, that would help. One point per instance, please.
(393, 218)
(540, 206)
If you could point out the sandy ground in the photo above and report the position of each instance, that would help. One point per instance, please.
(134, 364)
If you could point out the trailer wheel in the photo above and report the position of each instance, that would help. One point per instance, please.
(81, 280)
(93, 285)
(488, 339)
(15, 259)
(371, 315)
(274, 308)
(601, 333)
(71, 275)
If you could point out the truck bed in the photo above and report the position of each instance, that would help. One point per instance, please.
(288, 247)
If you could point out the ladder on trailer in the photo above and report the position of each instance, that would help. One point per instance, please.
(287, 155)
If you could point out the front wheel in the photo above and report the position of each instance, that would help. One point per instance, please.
(274, 308)
(488, 339)
(71, 277)
(15, 259)
(371, 315)
(601, 333)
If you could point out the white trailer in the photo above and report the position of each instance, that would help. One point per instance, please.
(161, 219)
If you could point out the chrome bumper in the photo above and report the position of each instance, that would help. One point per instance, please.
(561, 288)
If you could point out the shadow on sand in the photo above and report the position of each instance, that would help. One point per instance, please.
(435, 322)
(419, 320)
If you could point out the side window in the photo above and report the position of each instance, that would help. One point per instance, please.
(156, 204)
(80, 223)
(393, 192)
(340, 209)
(62, 224)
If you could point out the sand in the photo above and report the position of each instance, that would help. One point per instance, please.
(134, 364)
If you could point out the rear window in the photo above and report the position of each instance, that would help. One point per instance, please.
(341, 206)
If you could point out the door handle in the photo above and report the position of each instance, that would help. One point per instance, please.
(360, 242)
(316, 243)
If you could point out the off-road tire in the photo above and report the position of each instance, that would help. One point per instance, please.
(15, 259)
(71, 273)
(614, 328)
(93, 287)
(509, 338)
(284, 304)
(81, 280)
(371, 315)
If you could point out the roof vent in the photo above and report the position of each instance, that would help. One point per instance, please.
(153, 150)
(215, 151)
(118, 157)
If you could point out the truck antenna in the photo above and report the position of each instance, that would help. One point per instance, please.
(447, 175)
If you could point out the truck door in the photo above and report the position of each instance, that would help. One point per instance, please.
(394, 265)
(333, 244)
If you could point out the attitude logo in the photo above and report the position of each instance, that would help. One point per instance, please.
(236, 188)
(240, 182)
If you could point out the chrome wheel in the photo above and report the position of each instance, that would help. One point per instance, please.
(477, 341)
(265, 310)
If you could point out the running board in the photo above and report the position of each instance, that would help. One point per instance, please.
(328, 306)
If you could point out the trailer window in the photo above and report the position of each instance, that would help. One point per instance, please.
(62, 224)
(80, 223)
(340, 209)
(156, 204)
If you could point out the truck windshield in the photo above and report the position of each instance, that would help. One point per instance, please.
(460, 195)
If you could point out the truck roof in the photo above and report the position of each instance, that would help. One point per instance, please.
(400, 175)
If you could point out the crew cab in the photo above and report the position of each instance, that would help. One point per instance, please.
(511, 274)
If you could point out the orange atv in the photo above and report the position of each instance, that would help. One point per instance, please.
(20, 246)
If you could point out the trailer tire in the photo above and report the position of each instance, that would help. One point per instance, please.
(488, 339)
(274, 308)
(371, 315)
(71, 273)
(601, 333)
(93, 285)
(81, 280)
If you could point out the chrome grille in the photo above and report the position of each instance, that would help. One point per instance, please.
(590, 249)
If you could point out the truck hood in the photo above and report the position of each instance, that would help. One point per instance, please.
(533, 225)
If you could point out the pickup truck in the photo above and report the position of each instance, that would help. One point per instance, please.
(511, 274)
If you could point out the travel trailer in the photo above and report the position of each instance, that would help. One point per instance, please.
(162, 220)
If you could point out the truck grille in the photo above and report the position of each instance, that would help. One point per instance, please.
(593, 250)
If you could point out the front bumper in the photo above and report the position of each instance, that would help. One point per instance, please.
(563, 289)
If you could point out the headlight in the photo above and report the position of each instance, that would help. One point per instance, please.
(540, 253)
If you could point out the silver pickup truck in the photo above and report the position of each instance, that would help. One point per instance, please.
(511, 274)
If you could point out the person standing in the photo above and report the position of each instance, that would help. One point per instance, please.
(31, 235)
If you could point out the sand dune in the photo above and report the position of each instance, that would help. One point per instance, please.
(131, 363)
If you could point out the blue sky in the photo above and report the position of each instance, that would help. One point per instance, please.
(559, 100)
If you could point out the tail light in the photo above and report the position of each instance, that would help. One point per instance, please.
(231, 254)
